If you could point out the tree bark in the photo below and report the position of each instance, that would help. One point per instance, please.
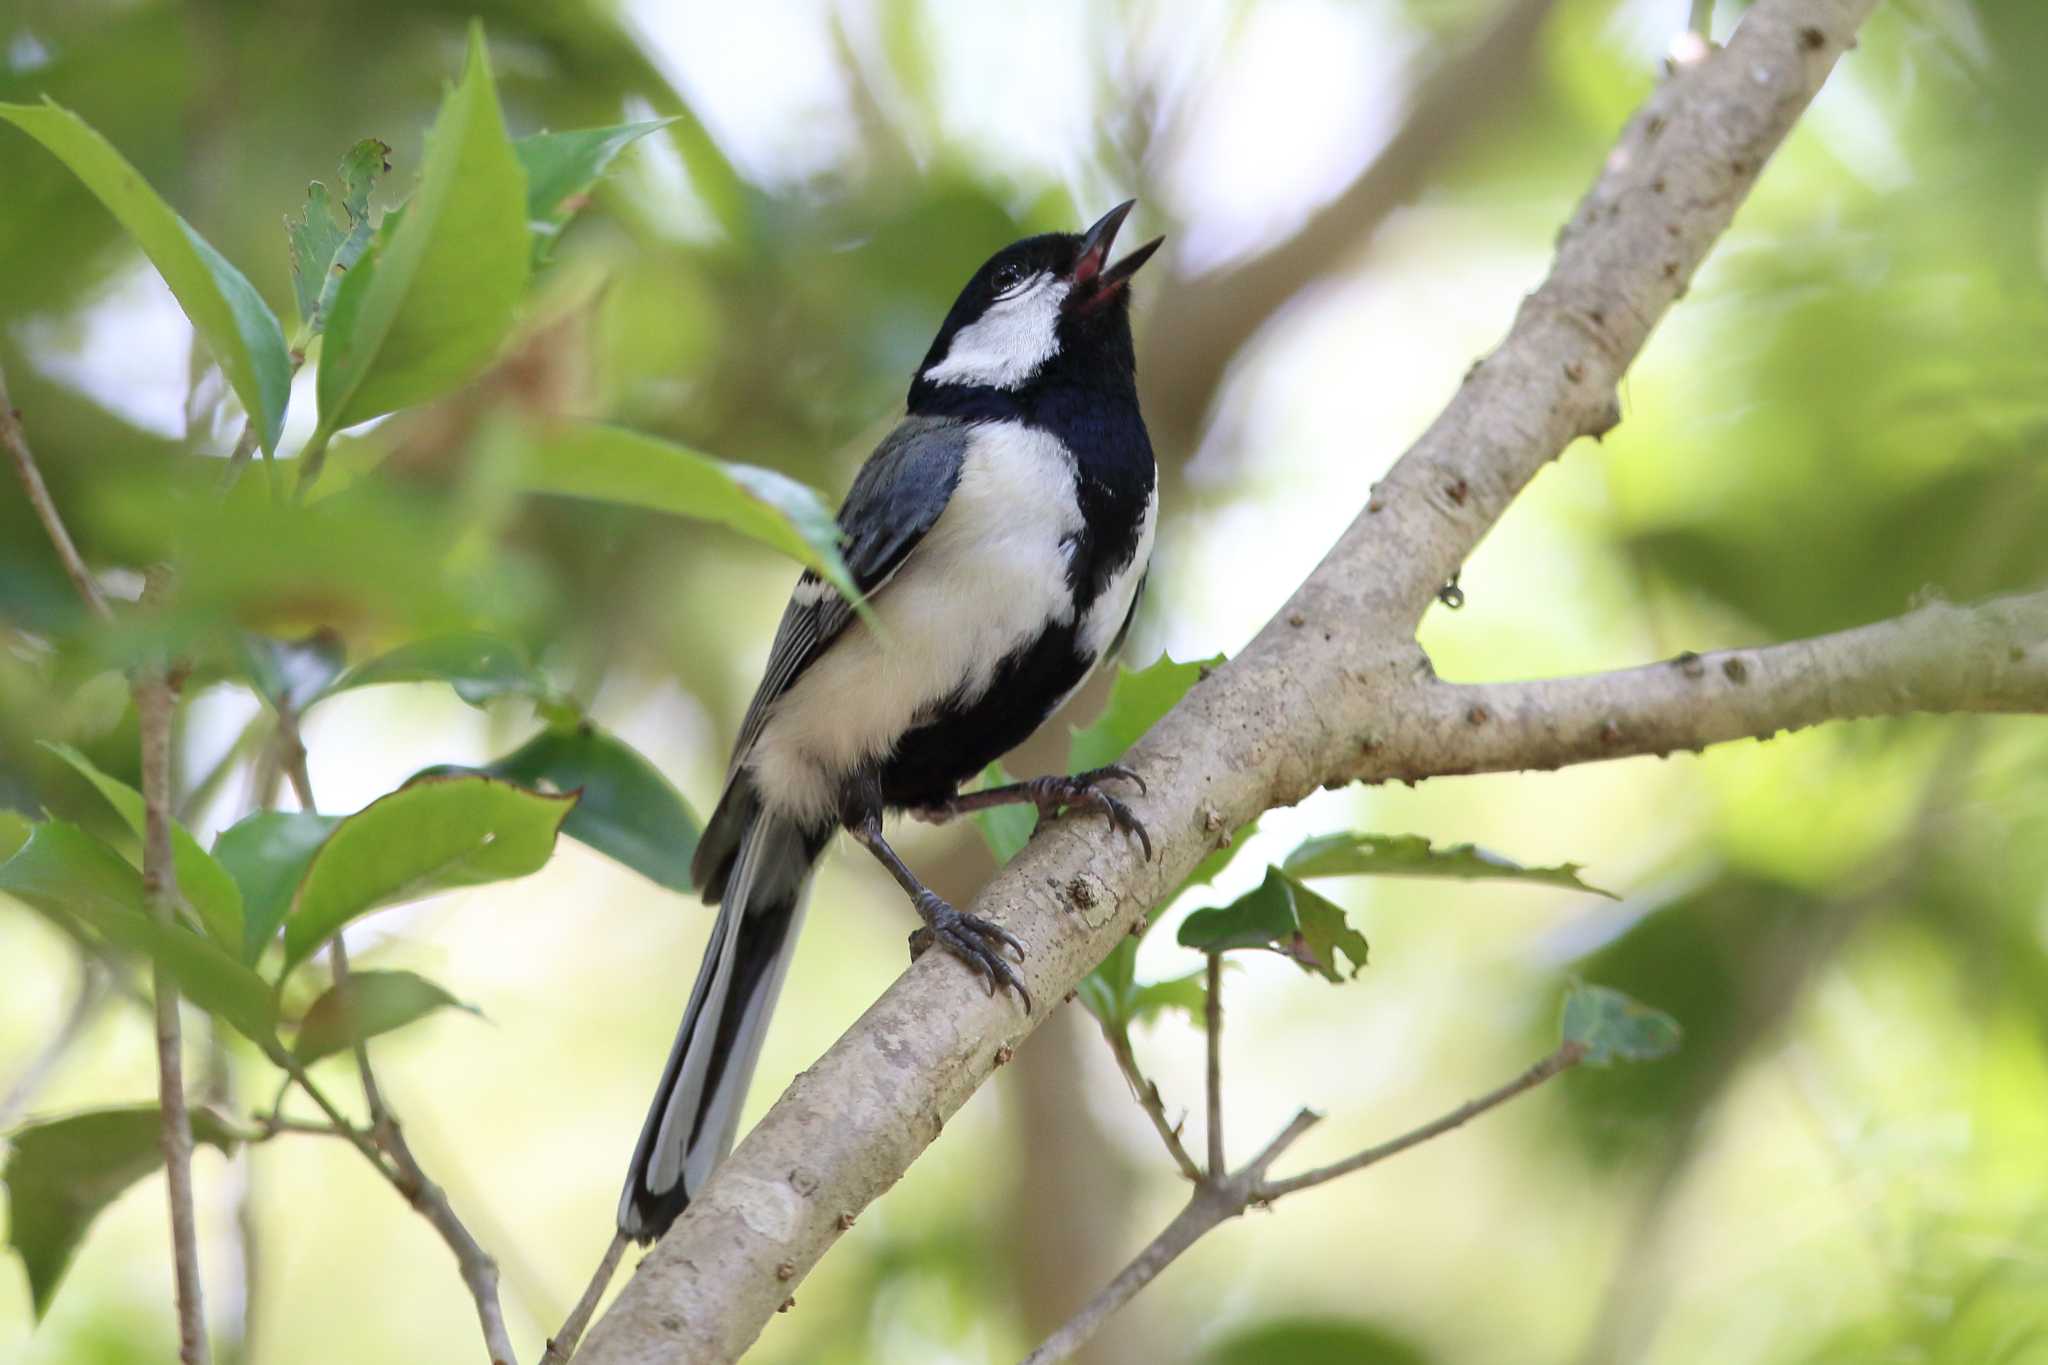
(1335, 689)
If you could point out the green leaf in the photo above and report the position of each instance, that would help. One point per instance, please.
(1187, 994)
(561, 167)
(75, 879)
(225, 309)
(267, 853)
(289, 674)
(427, 306)
(611, 464)
(365, 1005)
(62, 1173)
(203, 882)
(430, 835)
(625, 809)
(1282, 914)
(1137, 699)
(481, 668)
(323, 251)
(14, 832)
(1006, 829)
(1112, 994)
(1613, 1028)
(1410, 855)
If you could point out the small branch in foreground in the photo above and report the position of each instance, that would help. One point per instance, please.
(1147, 1093)
(153, 703)
(1212, 1014)
(562, 1345)
(16, 441)
(1217, 1200)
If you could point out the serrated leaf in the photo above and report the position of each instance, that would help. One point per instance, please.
(611, 464)
(1137, 700)
(267, 854)
(1286, 916)
(289, 674)
(430, 835)
(62, 1173)
(75, 879)
(481, 668)
(362, 1007)
(1411, 855)
(1005, 829)
(562, 167)
(323, 250)
(427, 306)
(625, 809)
(1613, 1028)
(204, 883)
(225, 309)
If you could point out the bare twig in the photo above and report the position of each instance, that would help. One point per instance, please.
(1147, 1093)
(16, 441)
(562, 1345)
(1212, 1017)
(1222, 1198)
(154, 700)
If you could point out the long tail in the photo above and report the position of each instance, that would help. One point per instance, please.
(758, 868)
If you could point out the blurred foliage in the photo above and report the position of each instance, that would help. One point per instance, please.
(1841, 1163)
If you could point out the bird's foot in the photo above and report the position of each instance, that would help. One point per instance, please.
(973, 940)
(1083, 791)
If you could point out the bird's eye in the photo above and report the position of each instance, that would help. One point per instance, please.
(1007, 277)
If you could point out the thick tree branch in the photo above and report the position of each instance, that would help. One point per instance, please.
(1286, 716)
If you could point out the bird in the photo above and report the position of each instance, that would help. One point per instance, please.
(1000, 537)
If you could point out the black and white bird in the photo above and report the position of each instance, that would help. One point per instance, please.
(1001, 536)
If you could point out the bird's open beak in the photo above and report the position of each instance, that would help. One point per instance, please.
(1095, 282)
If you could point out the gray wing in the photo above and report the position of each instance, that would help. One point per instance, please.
(895, 499)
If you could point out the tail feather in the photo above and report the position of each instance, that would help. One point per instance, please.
(695, 1115)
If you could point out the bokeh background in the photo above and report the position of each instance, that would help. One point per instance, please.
(1849, 1159)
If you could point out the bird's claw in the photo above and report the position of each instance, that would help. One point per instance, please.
(1083, 791)
(973, 940)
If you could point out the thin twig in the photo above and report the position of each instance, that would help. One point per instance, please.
(16, 441)
(1701, 20)
(562, 1345)
(153, 704)
(1218, 1200)
(1147, 1092)
(479, 1271)
(1212, 1015)
(1564, 1059)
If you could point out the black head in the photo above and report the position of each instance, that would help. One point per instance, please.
(1046, 311)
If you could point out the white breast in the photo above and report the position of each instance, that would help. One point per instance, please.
(983, 583)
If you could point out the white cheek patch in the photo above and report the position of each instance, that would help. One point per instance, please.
(1009, 342)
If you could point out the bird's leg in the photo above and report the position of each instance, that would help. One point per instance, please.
(1052, 795)
(973, 940)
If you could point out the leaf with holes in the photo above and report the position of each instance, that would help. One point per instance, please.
(202, 881)
(62, 1173)
(1613, 1028)
(431, 835)
(324, 250)
(428, 304)
(1411, 855)
(225, 309)
(364, 1006)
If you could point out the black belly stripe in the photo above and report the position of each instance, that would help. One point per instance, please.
(963, 736)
